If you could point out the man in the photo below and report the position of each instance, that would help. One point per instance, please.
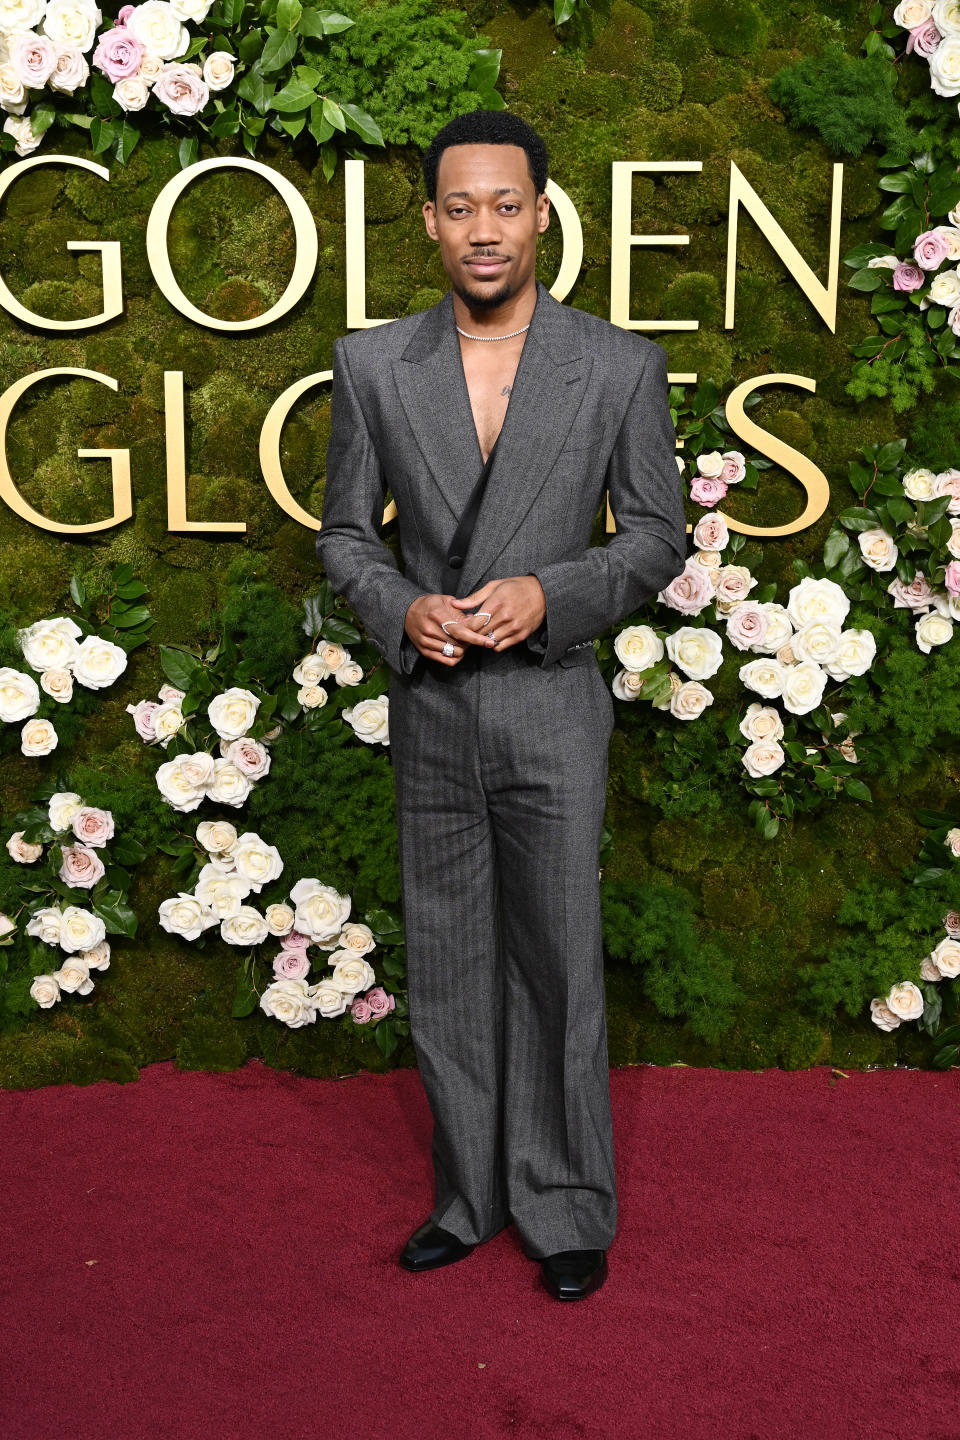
(498, 419)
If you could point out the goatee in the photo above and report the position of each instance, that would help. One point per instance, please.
(487, 300)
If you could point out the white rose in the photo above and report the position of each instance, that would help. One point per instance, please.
(709, 463)
(13, 98)
(855, 654)
(233, 712)
(71, 71)
(24, 852)
(46, 923)
(333, 655)
(167, 720)
(779, 628)
(80, 929)
(762, 758)
(946, 957)
(881, 1016)
(945, 66)
(928, 969)
(946, 16)
(246, 927)
(98, 956)
(878, 548)
(311, 697)
(34, 59)
(803, 687)
(767, 677)
(945, 288)
(159, 29)
(7, 926)
(932, 629)
(328, 999)
(948, 481)
(911, 13)
(195, 10)
(151, 68)
(951, 233)
(371, 720)
(882, 262)
(761, 722)
(38, 737)
(905, 1001)
(627, 684)
(229, 786)
(218, 69)
(19, 694)
(74, 977)
(58, 684)
(256, 861)
(321, 912)
(919, 484)
(690, 700)
(19, 15)
(311, 670)
(176, 788)
(72, 22)
(50, 644)
(349, 673)
(45, 990)
(357, 938)
(280, 919)
(216, 836)
(818, 641)
(952, 841)
(637, 647)
(221, 892)
(697, 651)
(131, 93)
(812, 599)
(351, 973)
(290, 1001)
(98, 662)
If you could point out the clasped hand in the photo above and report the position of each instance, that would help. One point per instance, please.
(516, 607)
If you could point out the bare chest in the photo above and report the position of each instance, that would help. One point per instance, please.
(490, 378)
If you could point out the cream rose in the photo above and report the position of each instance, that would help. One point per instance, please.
(710, 463)
(195, 10)
(761, 722)
(218, 69)
(328, 999)
(80, 929)
(98, 956)
(246, 927)
(762, 758)
(855, 654)
(233, 712)
(711, 532)
(45, 990)
(159, 29)
(332, 655)
(311, 670)
(280, 919)
(627, 684)
(932, 629)
(734, 583)
(945, 289)
(690, 700)
(370, 720)
(878, 548)
(919, 484)
(19, 15)
(697, 651)
(98, 662)
(637, 647)
(176, 788)
(911, 13)
(74, 976)
(131, 93)
(256, 861)
(357, 938)
(311, 697)
(72, 22)
(803, 687)
(779, 628)
(818, 641)
(945, 66)
(38, 737)
(905, 1001)
(321, 912)
(881, 1016)
(71, 70)
(13, 98)
(46, 924)
(216, 836)
(289, 1000)
(62, 807)
(811, 599)
(167, 720)
(19, 694)
(229, 785)
(351, 973)
(946, 957)
(767, 677)
(58, 684)
(24, 852)
(222, 892)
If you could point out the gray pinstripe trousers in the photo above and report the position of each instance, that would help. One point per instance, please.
(500, 770)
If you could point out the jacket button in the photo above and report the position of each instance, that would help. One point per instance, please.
(455, 561)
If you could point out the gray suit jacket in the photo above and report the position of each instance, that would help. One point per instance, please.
(589, 411)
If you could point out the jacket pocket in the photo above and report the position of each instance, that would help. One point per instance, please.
(590, 439)
(582, 655)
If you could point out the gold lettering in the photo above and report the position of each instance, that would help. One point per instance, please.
(621, 240)
(177, 463)
(306, 246)
(119, 461)
(812, 479)
(111, 277)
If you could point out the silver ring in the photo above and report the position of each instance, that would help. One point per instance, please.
(448, 648)
(445, 623)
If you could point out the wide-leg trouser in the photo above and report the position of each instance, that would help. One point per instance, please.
(500, 769)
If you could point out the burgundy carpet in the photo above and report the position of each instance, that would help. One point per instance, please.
(214, 1256)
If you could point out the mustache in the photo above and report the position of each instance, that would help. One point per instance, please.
(483, 255)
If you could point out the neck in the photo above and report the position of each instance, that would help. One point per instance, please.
(515, 311)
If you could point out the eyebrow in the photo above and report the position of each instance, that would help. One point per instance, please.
(465, 194)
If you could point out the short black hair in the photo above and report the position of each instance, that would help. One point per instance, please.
(486, 127)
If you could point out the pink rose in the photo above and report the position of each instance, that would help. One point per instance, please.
(379, 1001)
(292, 964)
(689, 591)
(733, 469)
(907, 277)
(124, 14)
(118, 54)
(951, 923)
(707, 489)
(952, 577)
(181, 89)
(251, 757)
(33, 58)
(295, 940)
(929, 250)
(915, 596)
(924, 39)
(710, 532)
(143, 713)
(81, 866)
(747, 625)
(93, 826)
(948, 483)
(360, 1010)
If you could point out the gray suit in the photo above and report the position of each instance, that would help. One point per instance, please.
(500, 762)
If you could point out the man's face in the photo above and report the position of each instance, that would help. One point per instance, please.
(486, 219)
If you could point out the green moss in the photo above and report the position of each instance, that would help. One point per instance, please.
(733, 27)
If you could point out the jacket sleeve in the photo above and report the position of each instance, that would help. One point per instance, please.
(588, 594)
(357, 562)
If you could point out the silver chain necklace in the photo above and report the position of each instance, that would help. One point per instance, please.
(468, 336)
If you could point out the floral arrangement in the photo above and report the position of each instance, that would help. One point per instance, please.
(934, 35)
(254, 66)
(53, 648)
(245, 722)
(312, 915)
(83, 857)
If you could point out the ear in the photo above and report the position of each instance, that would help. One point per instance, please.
(430, 220)
(543, 212)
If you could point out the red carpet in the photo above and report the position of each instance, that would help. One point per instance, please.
(786, 1266)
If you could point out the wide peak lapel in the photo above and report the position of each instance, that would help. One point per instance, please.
(433, 391)
(549, 386)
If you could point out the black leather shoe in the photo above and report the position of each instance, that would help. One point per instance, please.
(431, 1246)
(572, 1274)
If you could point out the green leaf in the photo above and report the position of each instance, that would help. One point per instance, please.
(102, 135)
(857, 789)
(294, 96)
(77, 591)
(485, 70)
(319, 127)
(323, 22)
(866, 280)
(333, 113)
(127, 851)
(118, 918)
(562, 10)
(834, 547)
(279, 50)
(178, 666)
(254, 88)
(288, 13)
(245, 997)
(231, 10)
(125, 618)
(362, 124)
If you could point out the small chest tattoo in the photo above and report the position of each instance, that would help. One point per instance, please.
(506, 390)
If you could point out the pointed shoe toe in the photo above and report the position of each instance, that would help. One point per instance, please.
(430, 1246)
(574, 1274)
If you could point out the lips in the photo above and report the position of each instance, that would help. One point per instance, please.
(481, 267)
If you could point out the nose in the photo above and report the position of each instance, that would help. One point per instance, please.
(484, 227)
